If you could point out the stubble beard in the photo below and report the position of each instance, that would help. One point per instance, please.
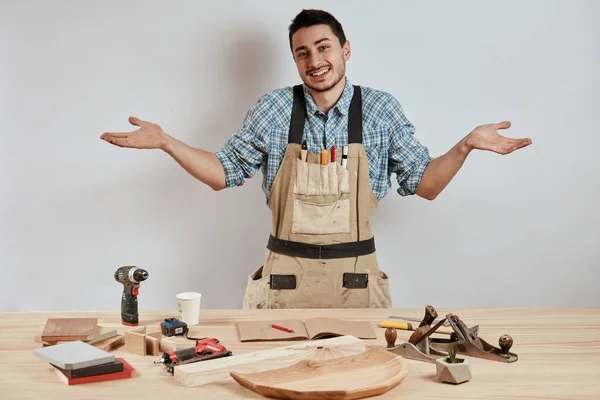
(338, 78)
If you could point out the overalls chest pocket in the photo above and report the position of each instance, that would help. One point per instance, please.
(321, 198)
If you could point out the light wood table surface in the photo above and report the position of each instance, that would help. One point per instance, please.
(558, 349)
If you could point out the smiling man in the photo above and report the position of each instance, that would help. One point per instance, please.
(327, 150)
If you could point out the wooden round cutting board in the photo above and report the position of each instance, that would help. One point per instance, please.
(369, 373)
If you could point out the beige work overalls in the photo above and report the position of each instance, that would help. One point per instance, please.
(321, 252)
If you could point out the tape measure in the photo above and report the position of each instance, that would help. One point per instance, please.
(173, 327)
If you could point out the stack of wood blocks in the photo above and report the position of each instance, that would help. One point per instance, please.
(136, 339)
(77, 362)
(63, 330)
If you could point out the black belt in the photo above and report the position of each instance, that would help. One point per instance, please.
(326, 251)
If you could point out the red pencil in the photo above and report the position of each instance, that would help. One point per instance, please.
(332, 153)
(281, 328)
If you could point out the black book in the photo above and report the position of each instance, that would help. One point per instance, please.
(114, 366)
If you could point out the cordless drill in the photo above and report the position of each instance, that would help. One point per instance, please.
(130, 276)
(205, 349)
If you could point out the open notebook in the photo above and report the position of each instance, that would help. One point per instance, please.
(314, 328)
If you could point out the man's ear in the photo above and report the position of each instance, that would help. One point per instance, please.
(346, 50)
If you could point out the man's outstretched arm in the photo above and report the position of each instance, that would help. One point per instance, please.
(440, 171)
(202, 165)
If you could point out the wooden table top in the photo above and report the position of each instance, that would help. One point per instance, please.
(558, 349)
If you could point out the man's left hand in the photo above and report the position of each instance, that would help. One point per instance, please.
(486, 137)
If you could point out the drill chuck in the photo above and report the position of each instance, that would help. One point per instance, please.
(139, 275)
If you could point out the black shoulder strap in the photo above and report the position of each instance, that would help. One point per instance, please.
(298, 116)
(355, 117)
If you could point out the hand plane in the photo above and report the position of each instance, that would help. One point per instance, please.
(422, 347)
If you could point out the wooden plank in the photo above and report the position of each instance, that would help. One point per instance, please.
(110, 343)
(201, 373)
(38, 339)
(69, 329)
(102, 333)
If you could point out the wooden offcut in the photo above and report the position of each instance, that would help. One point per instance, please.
(152, 346)
(135, 343)
(370, 373)
(110, 343)
(141, 343)
(168, 344)
(102, 333)
(69, 329)
(202, 373)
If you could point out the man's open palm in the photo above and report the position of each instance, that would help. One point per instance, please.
(149, 136)
(486, 137)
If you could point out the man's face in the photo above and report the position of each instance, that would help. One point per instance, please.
(320, 59)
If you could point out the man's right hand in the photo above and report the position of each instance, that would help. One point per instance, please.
(202, 165)
(149, 136)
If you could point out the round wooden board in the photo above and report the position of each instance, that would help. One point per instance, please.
(369, 373)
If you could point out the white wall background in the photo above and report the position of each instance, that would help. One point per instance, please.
(509, 231)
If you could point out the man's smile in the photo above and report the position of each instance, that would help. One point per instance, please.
(320, 73)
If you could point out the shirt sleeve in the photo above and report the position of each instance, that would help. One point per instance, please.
(408, 158)
(245, 151)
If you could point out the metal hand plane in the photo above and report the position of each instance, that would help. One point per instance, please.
(422, 347)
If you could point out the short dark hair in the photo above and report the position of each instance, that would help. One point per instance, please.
(308, 18)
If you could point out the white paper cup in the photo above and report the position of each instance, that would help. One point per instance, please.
(188, 305)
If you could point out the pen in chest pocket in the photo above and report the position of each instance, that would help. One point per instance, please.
(324, 157)
(332, 154)
(344, 156)
(303, 151)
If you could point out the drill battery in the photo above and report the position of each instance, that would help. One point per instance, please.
(173, 327)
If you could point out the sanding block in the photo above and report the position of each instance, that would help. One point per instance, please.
(114, 366)
(74, 355)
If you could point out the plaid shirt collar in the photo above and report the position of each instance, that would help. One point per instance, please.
(343, 104)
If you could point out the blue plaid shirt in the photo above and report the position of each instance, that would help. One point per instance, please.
(388, 139)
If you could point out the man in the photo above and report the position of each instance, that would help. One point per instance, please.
(327, 150)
